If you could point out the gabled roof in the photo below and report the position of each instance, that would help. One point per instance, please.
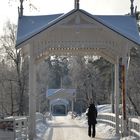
(124, 25)
(29, 26)
(52, 92)
(59, 101)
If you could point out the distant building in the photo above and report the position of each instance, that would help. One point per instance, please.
(61, 100)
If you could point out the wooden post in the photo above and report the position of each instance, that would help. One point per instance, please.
(65, 109)
(50, 107)
(112, 87)
(72, 106)
(32, 95)
(124, 116)
(117, 95)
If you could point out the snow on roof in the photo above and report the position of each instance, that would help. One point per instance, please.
(29, 26)
(51, 92)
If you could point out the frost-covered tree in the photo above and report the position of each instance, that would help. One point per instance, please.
(91, 76)
(17, 73)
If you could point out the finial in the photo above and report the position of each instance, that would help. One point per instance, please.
(135, 10)
(20, 9)
(132, 7)
(76, 4)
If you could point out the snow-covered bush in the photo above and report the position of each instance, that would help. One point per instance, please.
(40, 117)
(41, 125)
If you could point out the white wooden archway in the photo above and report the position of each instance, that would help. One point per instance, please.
(57, 102)
(77, 33)
(67, 94)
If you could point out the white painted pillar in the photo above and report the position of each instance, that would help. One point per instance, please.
(116, 88)
(32, 95)
(72, 107)
(50, 107)
(65, 109)
(112, 87)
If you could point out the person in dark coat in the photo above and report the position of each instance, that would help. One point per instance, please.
(92, 115)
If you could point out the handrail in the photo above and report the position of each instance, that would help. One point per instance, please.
(133, 123)
(21, 127)
(134, 126)
(14, 128)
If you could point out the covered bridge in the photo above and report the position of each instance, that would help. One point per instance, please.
(77, 33)
(61, 98)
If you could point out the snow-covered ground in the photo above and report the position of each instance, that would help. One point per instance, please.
(64, 128)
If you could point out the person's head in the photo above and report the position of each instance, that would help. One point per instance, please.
(92, 106)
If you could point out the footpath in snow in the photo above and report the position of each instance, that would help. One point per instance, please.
(66, 128)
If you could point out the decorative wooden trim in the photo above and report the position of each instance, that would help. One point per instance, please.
(46, 48)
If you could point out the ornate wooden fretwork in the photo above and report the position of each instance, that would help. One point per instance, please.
(44, 49)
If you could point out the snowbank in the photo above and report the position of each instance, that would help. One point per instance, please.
(41, 126)
(104, 129)
(106, 108)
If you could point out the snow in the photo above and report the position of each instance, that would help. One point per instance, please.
(136, 120)
(41, 126)
(64, 124)
(41, 129)
(104, 108)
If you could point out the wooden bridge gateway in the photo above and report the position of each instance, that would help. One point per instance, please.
(61, 97)
(77, 33)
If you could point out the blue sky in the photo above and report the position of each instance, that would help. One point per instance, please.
(9, 11)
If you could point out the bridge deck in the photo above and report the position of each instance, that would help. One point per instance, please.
(64, 128)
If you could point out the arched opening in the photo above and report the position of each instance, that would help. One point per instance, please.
(59, 106)
(59, 110)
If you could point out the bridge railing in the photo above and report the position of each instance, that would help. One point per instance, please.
(21, 128)
(133, 123)
(134, 127)
(14, 128)
(7, 129)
